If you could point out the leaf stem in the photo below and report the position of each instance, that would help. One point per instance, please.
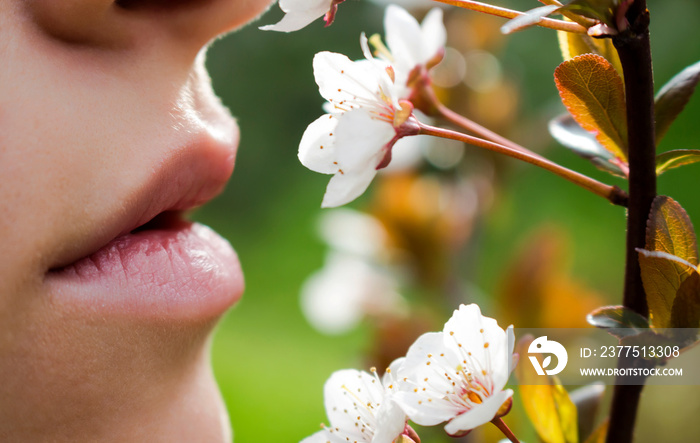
(550, 23)
(612, 193)
(503, 427)
(633, 47)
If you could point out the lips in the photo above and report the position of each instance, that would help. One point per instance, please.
(149, 262)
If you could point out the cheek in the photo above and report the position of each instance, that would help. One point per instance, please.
(251, 9)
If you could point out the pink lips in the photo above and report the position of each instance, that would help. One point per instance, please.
(181, 272)
(167, 269)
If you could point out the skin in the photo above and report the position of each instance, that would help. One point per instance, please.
(94, 97)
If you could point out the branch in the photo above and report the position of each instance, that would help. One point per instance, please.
(613, 194)
(550, 23)
(633, 46)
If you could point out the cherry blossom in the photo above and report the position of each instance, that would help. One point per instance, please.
(458, 375)
(299, 13)
(360, 408)
(413, 46)
(356, 280)
(364, 122)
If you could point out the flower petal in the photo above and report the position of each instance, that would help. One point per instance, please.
(391, 421)
(316, 150)
(360, 140)
(330, 299)
(322, 436)
(298, 14)
(486, 342)
(421, 397)
(351, 397)
(403, 36)
(434, 34)
(344, 188)
(477, 416)
(342, 81)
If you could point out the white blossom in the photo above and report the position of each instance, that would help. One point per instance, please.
(458, 375)
(355, 138)
(360, 408)
(300, 13)
(354, 282)
(413, 45)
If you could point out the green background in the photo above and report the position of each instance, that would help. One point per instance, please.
(271, 365)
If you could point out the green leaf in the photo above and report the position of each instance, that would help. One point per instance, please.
(670, 230)
(602, 10)
(675, 159)
(548, 406)
(592, 91)
(662, 275)
(618, 320)
(673, 96)
(570, 134)
(685, 312)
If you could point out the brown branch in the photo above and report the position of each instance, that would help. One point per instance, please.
(633, 46)
(550, 23)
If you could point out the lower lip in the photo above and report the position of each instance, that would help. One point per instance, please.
(185, 273)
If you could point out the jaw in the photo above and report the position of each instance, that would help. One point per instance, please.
(128, 381)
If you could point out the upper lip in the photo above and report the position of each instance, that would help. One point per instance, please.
(186, 179)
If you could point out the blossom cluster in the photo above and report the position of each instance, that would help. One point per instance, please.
(368, 108)
(456, 376)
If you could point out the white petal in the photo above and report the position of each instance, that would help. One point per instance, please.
(403, 36)
(344, 188)
(298, 14)
(421, 397)
(391, 421)
(353, 232)
(510, 347)
(484, 339)
(477, 416)
(342, 81)
(425, 413)
(393, 374)
(316, 150)
(330, 298)
(434, 34)
(321, 436)
(360, 140)
(349, 394)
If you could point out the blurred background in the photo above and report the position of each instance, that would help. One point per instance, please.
(459, 226)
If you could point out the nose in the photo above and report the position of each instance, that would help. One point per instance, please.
(192, 23)
(188, 24)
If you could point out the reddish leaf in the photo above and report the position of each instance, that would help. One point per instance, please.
(572, 45)
(686, 307)
(592, 91)
(662, 275)
(670, 230)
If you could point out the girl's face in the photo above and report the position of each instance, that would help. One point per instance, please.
(108, 131)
